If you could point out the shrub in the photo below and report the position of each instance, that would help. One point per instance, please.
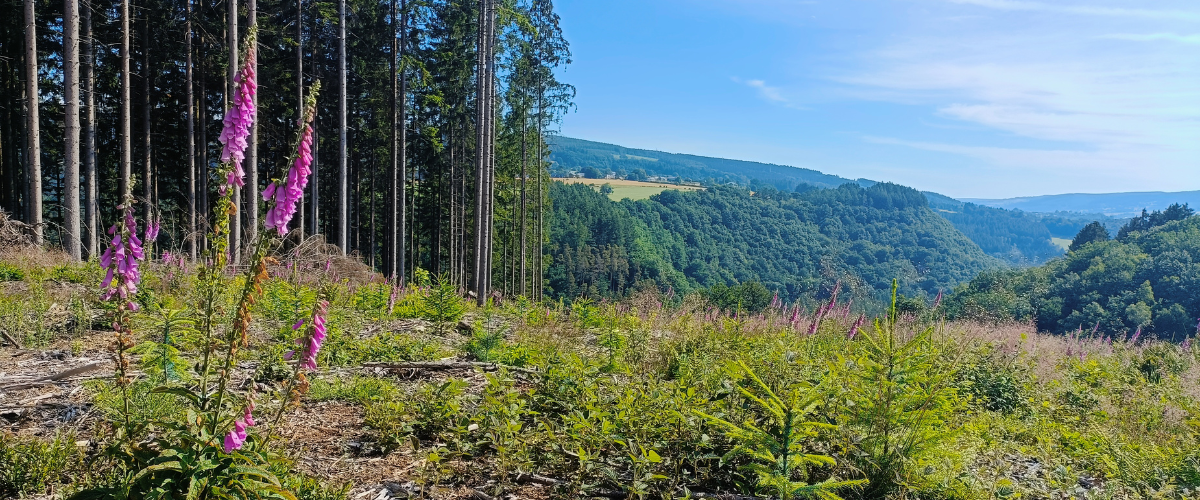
(9, 272)
(28, 466)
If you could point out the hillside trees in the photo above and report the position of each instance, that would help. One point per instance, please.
(411, 91)
(796, 244)
(1145, 281)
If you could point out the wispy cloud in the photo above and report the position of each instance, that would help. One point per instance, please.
(1091, 10)
(767, 92)
(1153, 37)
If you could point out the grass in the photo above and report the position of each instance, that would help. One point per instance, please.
(634, 190)
(642, 399)
(1062, 243)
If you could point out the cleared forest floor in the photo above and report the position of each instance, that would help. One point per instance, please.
(527, 400)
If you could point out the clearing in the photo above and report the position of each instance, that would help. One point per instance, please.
(634, 190)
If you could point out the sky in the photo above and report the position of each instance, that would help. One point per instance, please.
(968, 98)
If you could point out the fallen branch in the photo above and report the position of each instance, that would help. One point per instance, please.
(528, 478)
(446, 365)
(79, 370)
(549, 481)
(11, 340)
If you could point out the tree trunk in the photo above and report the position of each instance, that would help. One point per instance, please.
(401, 232)
(252, 198)
(235, 225)
(300, 93)
(191, 139)
(73, 242)
(524, 177)
(126, 117)
(89, 136)
(389, 260)
(202, 120)
(343, 165)
(33, 139)
(147, 75)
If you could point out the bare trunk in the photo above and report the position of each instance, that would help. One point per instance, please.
(252, 198)
(524, 177)
(191, 140)
(300, 92)
(202, 120)
(126, 117)
(343, 165)
(481, 156)
(147, 177)
(389, 259)
(89, 137)
(71, 232)
(235, 225)
(33, 139)
(403, 160)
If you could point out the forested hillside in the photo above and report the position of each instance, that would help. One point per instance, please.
(1113, 204)
(798, 244)
(574, 155)
(1016, 237)
(1144, 280)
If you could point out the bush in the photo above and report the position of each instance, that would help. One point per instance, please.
(28, 466)
(9, 272)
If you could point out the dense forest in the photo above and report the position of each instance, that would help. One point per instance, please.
(800, 245)
(432, 119)
(1019, 238)
(573, 155)
(1143, 281)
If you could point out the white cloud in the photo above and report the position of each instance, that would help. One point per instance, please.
(768, 92)
(1093, 103)
(1151, 37)
(1092, 10)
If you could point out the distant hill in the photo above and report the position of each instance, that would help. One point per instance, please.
(1016, 237)
(798, 244)
(1114, 204)
(574, 155)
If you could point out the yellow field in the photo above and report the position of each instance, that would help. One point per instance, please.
(634, 190)
(1062, 243)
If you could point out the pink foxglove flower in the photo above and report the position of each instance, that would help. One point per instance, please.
(311, 345)
(857, 324)
(237, 436)
(121, 260)
(238, 120)
(286, 197)
(1136, 335)
(152, 231)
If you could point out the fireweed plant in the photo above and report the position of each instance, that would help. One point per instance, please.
(214, 451)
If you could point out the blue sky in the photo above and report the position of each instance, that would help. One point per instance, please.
(969, 98)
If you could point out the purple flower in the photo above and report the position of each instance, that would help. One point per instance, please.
(238, 120)
(121, 260)
(312, 345)
(1186, 345)
(237, 436)
(857, 324)
(287, 196)
(152, 230)
(937, 301)
(1136, 335)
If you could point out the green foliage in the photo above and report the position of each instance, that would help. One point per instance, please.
(777, 440)
(10, 272)
(1090, 233)
(29, 466)
(793, 243)
(443, 305)
(751, 297)
(1115, 287)
(898, 399)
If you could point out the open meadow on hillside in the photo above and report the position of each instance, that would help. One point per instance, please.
(633, 190)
